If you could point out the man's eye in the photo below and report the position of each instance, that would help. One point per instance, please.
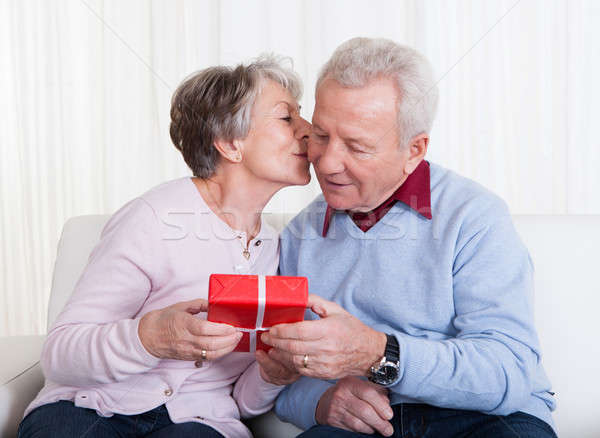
(358, 150)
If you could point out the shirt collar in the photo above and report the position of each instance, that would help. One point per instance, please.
(415, 192)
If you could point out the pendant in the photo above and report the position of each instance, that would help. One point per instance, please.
(246, 254)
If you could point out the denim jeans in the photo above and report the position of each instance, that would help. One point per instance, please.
(413, 420)
(63, 420)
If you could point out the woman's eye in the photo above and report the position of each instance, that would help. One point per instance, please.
(287, 119)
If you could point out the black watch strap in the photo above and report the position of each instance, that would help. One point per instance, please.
(392, 349)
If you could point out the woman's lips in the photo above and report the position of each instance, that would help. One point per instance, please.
(304, 155)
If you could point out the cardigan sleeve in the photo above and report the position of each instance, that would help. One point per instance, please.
(95, 338)
(254, 395)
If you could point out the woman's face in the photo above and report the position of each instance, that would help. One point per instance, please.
(275, 147)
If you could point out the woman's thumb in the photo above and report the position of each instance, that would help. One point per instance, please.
(194, 306)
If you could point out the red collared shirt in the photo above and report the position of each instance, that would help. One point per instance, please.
(415, 192)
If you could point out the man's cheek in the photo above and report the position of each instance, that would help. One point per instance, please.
(312, 152)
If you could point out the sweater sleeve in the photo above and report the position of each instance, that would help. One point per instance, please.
(298, 402)
(488, 365)
(253, 395)
(95, 338)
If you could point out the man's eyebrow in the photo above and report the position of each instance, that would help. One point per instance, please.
(316, 125)
(362, 140)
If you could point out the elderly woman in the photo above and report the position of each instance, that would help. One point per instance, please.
(132, 351)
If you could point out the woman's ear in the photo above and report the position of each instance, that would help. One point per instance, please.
(230, 150)
(416, 152)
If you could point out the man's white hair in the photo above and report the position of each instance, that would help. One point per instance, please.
(360, 60)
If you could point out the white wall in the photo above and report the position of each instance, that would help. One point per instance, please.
(85, 88)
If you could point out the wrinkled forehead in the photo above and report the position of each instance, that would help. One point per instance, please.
(371, 107)
(274, 97)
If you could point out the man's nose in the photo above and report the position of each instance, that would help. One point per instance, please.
(327, 159)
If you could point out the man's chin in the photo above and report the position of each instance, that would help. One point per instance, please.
(337, 202)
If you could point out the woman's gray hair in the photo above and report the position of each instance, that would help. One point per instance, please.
(216, 103)
(359, 60)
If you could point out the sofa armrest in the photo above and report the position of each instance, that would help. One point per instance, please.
(21, 379)
(269, 426)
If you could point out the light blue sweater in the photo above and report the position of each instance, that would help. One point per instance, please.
(456, 291)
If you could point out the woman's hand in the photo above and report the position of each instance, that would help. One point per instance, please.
(273, 371)
(174, 333)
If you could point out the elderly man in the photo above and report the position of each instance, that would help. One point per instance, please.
(425, 319)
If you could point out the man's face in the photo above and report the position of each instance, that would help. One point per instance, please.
(354, 144)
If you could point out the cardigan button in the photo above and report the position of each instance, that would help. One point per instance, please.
(168, 392)
(199, 418)
(198, 364)
(257, 243)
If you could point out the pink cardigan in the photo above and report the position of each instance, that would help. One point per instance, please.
(156, 250)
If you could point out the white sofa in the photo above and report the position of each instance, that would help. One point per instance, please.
(564, 250)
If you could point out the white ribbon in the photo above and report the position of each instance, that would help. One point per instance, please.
(260, 313)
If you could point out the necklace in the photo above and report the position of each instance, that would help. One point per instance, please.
(245, 250)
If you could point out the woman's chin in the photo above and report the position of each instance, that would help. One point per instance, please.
(297, 179)
(305, 179)
(300, 180)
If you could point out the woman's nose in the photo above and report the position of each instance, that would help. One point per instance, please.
(301, 129)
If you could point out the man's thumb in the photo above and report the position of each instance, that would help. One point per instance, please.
(323, 307)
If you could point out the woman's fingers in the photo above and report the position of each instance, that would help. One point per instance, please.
(174, 333)
(216, 354)
(200, 327)
(213, 343)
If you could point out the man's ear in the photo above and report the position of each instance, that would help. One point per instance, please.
(230, 150)
(416, 152)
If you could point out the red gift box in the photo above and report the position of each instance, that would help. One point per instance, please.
(255, 303)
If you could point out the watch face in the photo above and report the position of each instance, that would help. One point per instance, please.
(386, 374)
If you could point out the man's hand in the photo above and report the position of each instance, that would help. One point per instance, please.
(273, 371)
(356, 405)
(337, 345)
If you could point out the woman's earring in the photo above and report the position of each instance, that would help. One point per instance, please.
(238, 157)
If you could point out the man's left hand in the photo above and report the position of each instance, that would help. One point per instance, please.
(333, 347)
(273, 371)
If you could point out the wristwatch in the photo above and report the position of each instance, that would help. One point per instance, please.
(386, 372)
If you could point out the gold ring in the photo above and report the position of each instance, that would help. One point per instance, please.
(203, 354)
(305, 361)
